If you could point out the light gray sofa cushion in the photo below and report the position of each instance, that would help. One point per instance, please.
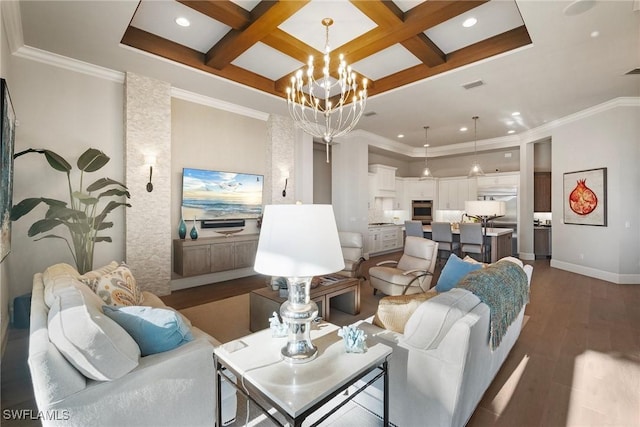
(96, 345)
(433, 318)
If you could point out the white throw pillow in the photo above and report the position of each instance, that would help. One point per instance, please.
(93, 343)
(431, 321)
(56, 278)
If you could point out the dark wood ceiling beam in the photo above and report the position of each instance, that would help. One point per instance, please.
(224, 11)
(156, 45)
(422, 17)
(496, 45)
(291, 46)
(425, 50)
(236, 42)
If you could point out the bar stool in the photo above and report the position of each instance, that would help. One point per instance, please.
(413, 228)
(472, 240)
(441, 233)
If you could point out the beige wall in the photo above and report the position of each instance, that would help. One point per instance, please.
(67, 112)
(204, 137)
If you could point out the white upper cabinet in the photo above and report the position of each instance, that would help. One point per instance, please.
(499, 180)
(385, 181)
(453, 192)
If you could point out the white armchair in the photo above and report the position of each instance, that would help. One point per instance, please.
(352, 245)
(412, 274)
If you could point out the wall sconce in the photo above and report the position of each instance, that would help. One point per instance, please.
(284, 192)
(150, 160)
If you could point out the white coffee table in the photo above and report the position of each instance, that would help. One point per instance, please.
(298, 390)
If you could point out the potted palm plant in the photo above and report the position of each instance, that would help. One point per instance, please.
(83, 216)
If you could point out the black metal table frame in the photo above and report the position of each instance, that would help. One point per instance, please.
(297, 421)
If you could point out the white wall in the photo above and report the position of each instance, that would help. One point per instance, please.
(66, 112)
(610, 139)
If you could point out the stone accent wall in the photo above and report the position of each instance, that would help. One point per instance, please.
(148, 228)
(280, 161)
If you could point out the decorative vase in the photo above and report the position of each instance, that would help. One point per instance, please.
(182, 229)
(194, 231)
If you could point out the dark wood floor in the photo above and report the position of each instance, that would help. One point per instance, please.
(576, 362)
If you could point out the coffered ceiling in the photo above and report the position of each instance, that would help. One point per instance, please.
(261, 43)
(544, 59)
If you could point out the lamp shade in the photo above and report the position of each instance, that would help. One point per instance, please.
(298, 241)
(487, 208)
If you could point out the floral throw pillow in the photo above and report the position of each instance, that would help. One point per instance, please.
(118, 288)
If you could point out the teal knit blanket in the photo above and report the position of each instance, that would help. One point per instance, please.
(503, 287)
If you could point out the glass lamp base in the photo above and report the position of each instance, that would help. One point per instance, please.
(298, 312)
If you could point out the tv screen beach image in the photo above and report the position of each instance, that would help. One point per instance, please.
(220, 195)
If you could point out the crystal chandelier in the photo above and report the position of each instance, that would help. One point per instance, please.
(426, 172)
(326, 108)
(475, 170)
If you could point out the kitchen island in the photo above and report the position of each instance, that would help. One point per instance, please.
(499, 239)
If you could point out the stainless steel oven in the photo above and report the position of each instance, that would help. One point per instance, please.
(422, 210)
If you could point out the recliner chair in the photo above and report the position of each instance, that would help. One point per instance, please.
(412, 274)
(352, 245)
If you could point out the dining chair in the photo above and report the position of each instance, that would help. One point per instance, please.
(441, 233)
(413, 228)
(472, 240)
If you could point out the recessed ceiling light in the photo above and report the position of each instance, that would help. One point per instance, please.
(400, 135)
(469, 22)
(425, 145)
(515, 113)
(595, 34)
(182, 21)
(578, 6)
(512, 131)
(463, 129)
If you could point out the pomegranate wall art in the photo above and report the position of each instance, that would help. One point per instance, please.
(585, 197)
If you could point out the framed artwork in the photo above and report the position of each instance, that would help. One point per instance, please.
(8, 125)
(585, 197)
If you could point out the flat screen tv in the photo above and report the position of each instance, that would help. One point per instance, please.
(208, 195)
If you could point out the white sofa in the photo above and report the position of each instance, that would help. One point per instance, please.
(171, 388)
(443, 362)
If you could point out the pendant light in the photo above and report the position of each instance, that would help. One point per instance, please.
(475, 170)
(426, 172)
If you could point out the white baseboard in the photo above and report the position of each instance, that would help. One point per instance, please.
(526, 256)
(616, 278)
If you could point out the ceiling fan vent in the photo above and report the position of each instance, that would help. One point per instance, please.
(473, 84)
(634, 71)
(370, 113)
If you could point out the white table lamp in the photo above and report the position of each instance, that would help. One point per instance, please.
(298, 242)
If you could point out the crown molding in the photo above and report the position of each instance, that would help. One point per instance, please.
(219, 104)
(71, 64)
(60, 61)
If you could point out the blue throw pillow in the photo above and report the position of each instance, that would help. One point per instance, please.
(454, 270)
(154, 329)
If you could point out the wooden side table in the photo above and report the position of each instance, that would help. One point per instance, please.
(342, 293)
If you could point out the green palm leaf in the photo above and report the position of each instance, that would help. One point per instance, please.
(92, 160)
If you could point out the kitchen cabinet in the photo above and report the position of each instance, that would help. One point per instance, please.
(400, 201)
(542, 242)
(214, 254)
(453, 192)
(385, 239)
(375, 244)
(542, 192)
(503, 179)
(417, 189)
(385, 180)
